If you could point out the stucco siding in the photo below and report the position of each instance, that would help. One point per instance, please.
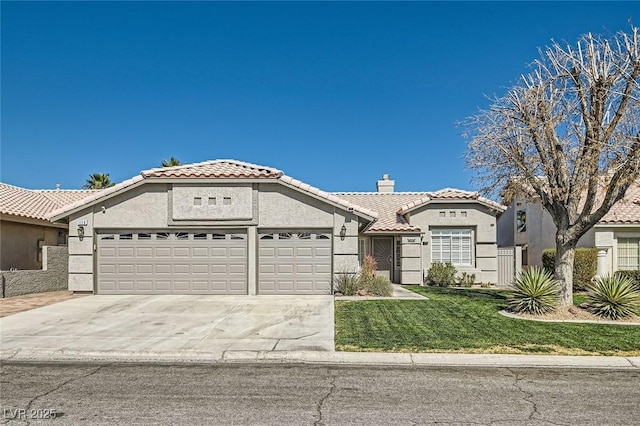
(19, 244)
(52, 277)
(281, 207)
(143, 207)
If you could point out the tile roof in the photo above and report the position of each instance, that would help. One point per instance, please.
(386, 204)
(36, 204)
(392, 206)
(450, 194)
(627, 210)
(215, 169)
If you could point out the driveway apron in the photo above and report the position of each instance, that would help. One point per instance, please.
(172, 323)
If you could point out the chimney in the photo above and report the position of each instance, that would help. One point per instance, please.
(385, 185)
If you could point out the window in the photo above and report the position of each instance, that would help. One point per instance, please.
(361, 251)
(629, 254)
(322, 237)
(218, 236)
(200, 236)
(107, 237)
(162, 236)
(452, 245)
(126, 237)
(521, 221)
(144, 236)
(266, 237)
(398, 254)
(284, 236)
(182, 235)
(304, 235)
(237, 236)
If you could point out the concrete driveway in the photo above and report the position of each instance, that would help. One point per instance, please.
(171, 324)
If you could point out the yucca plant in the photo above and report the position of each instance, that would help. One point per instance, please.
(534, 292)
(613, 297)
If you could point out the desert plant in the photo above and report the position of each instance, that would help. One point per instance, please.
(584, 267)
(634, 276)
(534, 292)
(613, 297)
(378, 286)
(486, 285)
(466, 280)
(346, 282)
(441, 274)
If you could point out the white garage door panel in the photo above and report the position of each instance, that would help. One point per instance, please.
(294, 262)
(172, 263)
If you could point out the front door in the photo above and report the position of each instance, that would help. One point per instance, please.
(383, 253)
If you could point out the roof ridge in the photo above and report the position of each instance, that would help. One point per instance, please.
(381, 193)
(209, 162)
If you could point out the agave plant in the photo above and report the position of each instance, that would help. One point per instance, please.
(534, 292)
(613, 297)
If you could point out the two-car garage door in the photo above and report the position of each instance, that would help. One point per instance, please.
(212, 262)
(172, 262)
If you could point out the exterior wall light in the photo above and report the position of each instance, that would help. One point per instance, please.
(80, 232)
(343, 232)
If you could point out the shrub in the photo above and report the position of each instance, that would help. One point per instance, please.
(466, 280)
(535, 292)
(634, 276)
(441, 274)
(347, 283)
(613, 297)
(369, 268)
(584, 268)
(378, 286)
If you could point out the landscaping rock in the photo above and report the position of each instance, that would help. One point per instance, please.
(338, 294)
(573, 310)
(362, 292)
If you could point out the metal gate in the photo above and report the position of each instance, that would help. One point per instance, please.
(509, 264)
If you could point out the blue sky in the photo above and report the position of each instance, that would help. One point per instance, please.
(334, 94)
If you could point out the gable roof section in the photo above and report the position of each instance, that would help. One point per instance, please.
(450, 194)
(393, 206)
(625, 211)
(386, 205)
(36, 204)
(216, 169)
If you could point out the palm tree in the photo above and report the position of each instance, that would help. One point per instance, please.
(172, 162)
(98, 181)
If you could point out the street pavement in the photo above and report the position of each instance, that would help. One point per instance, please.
(248, 394)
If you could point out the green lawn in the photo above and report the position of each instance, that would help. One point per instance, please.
(455, 320)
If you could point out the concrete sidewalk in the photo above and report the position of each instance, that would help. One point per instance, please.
(333, 358)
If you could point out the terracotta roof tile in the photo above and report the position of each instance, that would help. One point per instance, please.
(36, 204)
(626, 210)
(386, 204)
(392, 206)
(215, 169)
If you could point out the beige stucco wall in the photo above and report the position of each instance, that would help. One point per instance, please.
(606, 240)
(153, 206)
(19, 244)
(540, 233)
(480, 219)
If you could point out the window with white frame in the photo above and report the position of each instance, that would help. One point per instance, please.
(452, 245)
(361, 250)
(629, 254)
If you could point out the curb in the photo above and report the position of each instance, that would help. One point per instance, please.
(330, 358)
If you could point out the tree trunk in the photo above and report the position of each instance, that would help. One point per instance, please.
(565, 254)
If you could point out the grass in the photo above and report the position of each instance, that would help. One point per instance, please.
(468, 320)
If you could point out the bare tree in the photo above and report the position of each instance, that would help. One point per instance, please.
(569, 131)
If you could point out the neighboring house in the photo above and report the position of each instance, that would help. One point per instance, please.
(24, 228)
(228, 227)
(527, 224)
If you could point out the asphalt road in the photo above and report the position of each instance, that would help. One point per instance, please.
(112, 394)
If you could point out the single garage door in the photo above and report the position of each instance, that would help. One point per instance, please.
(170, 262)
(294, 262)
